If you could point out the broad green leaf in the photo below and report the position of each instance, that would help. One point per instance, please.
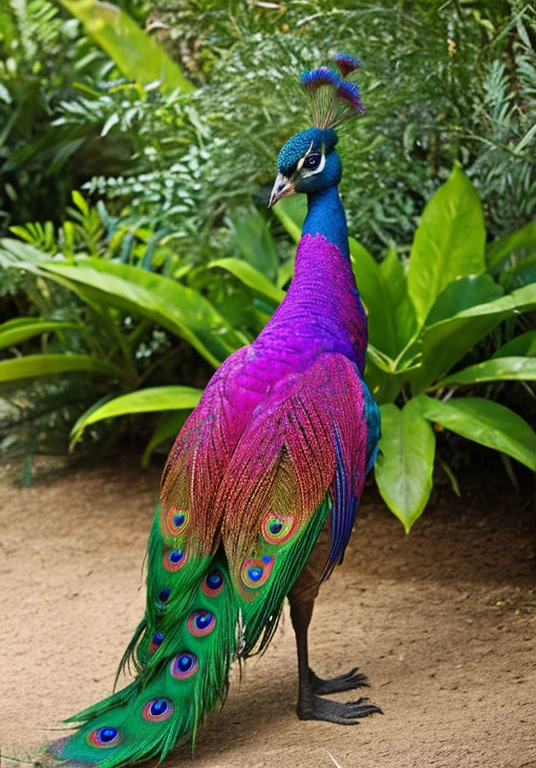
(137, 54)
(372, 291)
(405, 461)
(448, 341)
(461, 294)
(250, 277)
(76, 426)
(14, 253)
(384, 384)
(254, 240)
(522, 273)
(484, 422)
(32, 366)
(23, 328)
(499, 369)
(382, 288)
(291, 212)
(402, 311)
(525, 344)
(524, 238)
(449, 242)
(179, 309)
(169, 426)
(143, 401)
(410, 357)
(285, 273)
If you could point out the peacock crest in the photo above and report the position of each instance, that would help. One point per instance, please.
(334, 99)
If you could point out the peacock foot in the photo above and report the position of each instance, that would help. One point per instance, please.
(343, 713)
(346, 682)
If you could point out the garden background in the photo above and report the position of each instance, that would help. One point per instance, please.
(138, 146)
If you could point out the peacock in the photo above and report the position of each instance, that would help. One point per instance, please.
(261, 488)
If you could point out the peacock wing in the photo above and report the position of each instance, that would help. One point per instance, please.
(301, 459)
(187, 528)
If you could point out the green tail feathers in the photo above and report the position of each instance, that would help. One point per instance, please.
(185, 678)
(197, 622)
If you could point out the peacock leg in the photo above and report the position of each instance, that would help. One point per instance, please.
(310, 704)
(345, 682)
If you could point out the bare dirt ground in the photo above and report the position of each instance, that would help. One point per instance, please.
(443, 622)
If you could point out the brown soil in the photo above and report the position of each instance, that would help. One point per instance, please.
(442, 622)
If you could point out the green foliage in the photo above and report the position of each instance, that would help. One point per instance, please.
(16, 331)
(169, 267)
(448, 244)
(425, 318)
(441, 82)
(250, 277)
(159, 299)
(41, 53)
(485, 422)
(424, 322)
(118, 306)
(30, 366)
(405, 462)
(138, 56)
(146, 400)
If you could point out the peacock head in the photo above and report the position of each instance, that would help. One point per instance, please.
(308, 162)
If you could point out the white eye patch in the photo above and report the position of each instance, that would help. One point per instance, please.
(308, 171)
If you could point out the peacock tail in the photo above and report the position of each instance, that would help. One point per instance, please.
(183, 677)
(205, 608)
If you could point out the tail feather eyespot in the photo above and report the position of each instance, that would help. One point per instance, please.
(184, 665)
(156, 642)
(255, 572)
(157, 710)
(173, 559)
(163, 597)
(104, 737)
(201, 623)
(278, 529)
(174, 521)
(213, 584)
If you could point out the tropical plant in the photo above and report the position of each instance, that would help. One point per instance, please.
(166, 154)
(60, 96)
(441, 81)
(113, 333)
(425, 318)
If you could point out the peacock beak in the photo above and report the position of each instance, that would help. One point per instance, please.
(282, 188)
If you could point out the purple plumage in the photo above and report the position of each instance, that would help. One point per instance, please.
(316, 78)
(346, 63)
(260, 490)
(321, 313)
(333, 100)
(349, 92)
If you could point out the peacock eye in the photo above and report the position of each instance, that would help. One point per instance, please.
(312, 161)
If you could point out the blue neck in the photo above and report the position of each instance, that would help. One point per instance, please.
(326, 217)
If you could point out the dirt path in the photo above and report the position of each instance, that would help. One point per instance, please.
(443, 622)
